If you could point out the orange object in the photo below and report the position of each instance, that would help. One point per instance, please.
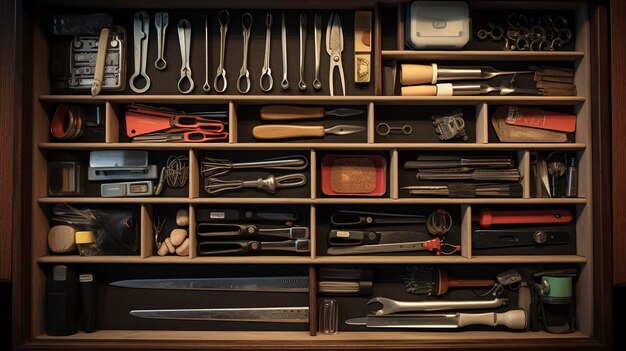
(486, 217)
(532, 118)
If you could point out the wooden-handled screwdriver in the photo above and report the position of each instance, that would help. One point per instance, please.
(287, 112)
(286, 131)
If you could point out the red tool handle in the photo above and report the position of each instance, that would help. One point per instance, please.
(202, 136)
(188, 121)
(486, 217)
(445, 283)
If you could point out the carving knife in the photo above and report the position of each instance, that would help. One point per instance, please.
(287, 112)
(257, 314)
(296, 284)
(287, 131)
(514, 319)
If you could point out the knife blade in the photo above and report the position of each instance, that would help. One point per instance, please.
(296, 284)
(514, 319)
(257, 314)
(287, 112)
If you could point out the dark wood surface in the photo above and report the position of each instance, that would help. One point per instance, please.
(7, 128)
(618, 107)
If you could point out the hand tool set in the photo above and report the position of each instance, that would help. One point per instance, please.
(486, 172)
(355, 232)
(148, 124)
(231, 232)
(213, 170)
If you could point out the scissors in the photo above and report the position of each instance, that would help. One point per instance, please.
(184, 37)
(198, 136)
(334, 48)
(244, 74)
(223, 18)
(266, 71)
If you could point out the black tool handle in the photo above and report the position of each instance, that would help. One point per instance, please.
(223, 230)
(233, 215)
(219, 215)
(61, 301)
(490, 239)
(273, 216)
(352, 237)
(233, 247)
(88, 300)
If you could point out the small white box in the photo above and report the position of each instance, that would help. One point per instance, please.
(438, 25)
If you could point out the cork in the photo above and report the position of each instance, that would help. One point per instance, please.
(353, 176)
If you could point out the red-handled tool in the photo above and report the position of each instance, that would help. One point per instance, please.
(486, 217)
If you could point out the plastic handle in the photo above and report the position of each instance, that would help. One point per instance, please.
(286, 112)
(470, 283)
(515, 319)
(486, 217)
(284, 131)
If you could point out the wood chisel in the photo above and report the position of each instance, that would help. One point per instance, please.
(287, 112)
(286, 131)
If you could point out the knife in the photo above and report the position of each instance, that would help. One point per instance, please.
(286, 112)
(287, 131)
(229, 247)
(296, 284)
(514, 319)
(257, 314)
(344, 285)
(358, 237)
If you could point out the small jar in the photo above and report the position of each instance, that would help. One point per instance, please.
(86, 243)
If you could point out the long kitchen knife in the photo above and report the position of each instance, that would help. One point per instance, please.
(297, 284)
(514, 319)
(257, 314)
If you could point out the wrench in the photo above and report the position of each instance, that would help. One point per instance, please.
(244, 74)
(223, 18)
(161, 21)
(141, 31)
(302, 84)
(206, 87)
(184, 38)
(317, 84)
(284, 84)
(266, 71)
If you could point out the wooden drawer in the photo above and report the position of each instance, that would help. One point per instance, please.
(388, 46)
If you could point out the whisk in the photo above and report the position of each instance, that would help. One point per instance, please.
(433, 281)
(268, 185)
(215, 167)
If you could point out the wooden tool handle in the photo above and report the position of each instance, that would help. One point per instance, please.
(470, 283)
(286, 112)
(285, 131)
(419, 90)
(416, 74)
(514, 319)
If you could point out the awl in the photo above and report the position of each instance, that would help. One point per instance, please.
(286, 131)
(287, 112)
(258, 314)
(515, 319)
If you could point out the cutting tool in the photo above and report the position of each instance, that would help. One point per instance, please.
(220, 230)
(287, 131)
(257, 314)
(334, 48)
(229, 247)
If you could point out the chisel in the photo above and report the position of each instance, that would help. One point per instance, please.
(286, 131)
(287, 112)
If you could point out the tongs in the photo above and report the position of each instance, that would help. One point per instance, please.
(215, 167)
(208, 248)
(219, 230)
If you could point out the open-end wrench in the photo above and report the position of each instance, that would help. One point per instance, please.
(141, 31)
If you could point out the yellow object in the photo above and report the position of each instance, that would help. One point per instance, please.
(85, 238)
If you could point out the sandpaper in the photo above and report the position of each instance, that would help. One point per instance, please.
(353, 176)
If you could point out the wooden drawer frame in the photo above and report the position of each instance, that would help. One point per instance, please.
(593, 77)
